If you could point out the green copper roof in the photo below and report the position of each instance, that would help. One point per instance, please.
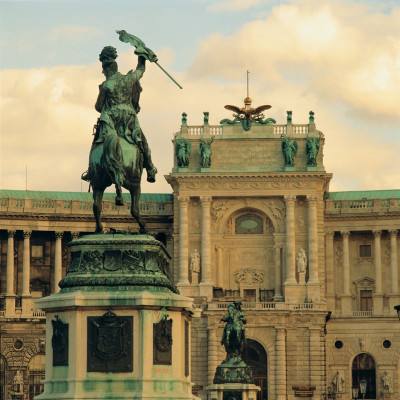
(81, 196)
(364, 195)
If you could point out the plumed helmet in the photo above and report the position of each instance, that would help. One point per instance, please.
(108, 55)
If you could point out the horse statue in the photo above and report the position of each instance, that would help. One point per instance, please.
(234, 337)
(119, 151)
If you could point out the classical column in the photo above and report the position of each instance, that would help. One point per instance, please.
(346, 264)
(312, 240)
(393, 262)
(27, 304)
(26, 264)
(212, 349)
(329, 274)
(278, 272)
(183, 240)
(58, 261)
(10, 264)
(205, 241)
(10, 294)
(280, 366)
(378, 262)
(220, 270)
(290, 241)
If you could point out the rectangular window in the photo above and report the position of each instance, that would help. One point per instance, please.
(365, 300)
(365, 250)
(37, 251)
(249, 295)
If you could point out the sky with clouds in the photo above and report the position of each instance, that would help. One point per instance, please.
(339, 58)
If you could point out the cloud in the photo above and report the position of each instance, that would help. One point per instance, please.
(72, 32)
(340, 62)
(232, 5)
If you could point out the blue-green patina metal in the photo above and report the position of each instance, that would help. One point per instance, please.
(118, 262)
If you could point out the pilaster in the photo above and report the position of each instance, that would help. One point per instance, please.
(206, 285)
(394, 296)
(10, 293)
(183, 241)
(377, 297)
(27, 304)
(347, 299)
(58, 261)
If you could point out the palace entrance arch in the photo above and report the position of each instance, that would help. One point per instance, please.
(255, 356)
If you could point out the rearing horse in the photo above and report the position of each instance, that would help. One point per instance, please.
(101, 163)
(120, 150)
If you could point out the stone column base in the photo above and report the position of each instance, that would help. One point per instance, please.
(377, 301)
(295, 293)
(10, 306)
(313, 292)
(239, 390)
(27, 306)
(347, 305)
(206, 290)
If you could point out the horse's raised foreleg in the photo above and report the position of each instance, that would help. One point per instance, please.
(97, 207)
(135, 196)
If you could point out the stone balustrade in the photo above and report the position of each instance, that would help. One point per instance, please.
(279, 306)
(81, 207)
(362, 206)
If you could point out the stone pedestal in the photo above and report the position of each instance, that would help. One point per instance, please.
(118, 328)
(228, 391)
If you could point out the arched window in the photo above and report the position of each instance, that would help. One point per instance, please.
(249, 224)
(363, 368)
(36, 375)
(2, 378)
(255, 357)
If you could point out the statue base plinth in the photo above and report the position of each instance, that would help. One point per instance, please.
(289, 169)
(107, 324)
(237, 391)
(233, 372)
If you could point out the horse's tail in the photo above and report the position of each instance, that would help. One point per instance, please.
(112, 159)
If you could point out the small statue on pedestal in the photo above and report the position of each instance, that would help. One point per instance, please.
(205, 152)
(195, 266)
(386, 382)
(289, 150)
(233, 369)
(18, 382)
(182, 151)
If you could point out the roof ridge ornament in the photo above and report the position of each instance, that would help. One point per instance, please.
(247, 114)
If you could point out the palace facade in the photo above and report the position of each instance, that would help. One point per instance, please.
(317, 271)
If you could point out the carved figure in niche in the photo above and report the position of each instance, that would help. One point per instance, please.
(205, 152)
(338, 382)
(182, 151)
(289, 150)
(386, 382)
(18, 382)
(301, 261)
(312, 149)
(217, 210)
(195, 266)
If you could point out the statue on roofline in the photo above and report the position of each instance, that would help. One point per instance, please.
(289, 150)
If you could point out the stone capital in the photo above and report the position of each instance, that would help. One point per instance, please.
(312, 199)
(183, 200)
(330, 234)
(289, 200)
(345, 234)
(205, 200)
(26, 234)
(377, 233)
(75, 235)
(393, 232)
(11, 234)
(58, 234)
